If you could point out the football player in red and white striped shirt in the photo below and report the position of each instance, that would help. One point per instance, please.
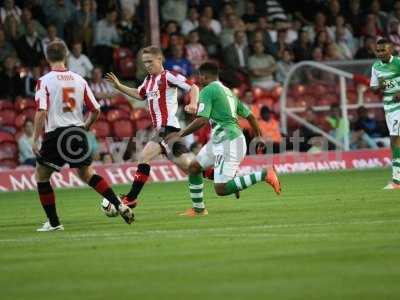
(159, 89)
(60, 98)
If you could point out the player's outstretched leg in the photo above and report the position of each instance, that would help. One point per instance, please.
(47, 199)
(242, 182)
(196, 191)
(103, 188)
(140, 178)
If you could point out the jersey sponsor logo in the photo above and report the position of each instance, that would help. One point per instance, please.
(153, 94)
(201, 107)
(65, 77)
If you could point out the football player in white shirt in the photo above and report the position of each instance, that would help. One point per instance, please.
(60, 98)
(159, 89)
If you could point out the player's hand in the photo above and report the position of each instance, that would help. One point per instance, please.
(113, 80)
(35, 147)
(191, 108)
(381, 82)
(172, 136)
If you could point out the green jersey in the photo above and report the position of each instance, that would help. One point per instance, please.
(218, 104)
(390, 74)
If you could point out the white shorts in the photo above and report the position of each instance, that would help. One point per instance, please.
(225, 157)
(393, 122)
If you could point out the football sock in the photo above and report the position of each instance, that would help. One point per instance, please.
(48, 201)
(242, 182)
(196, 191)
(141, 176)
(396, 165)
(101, 186)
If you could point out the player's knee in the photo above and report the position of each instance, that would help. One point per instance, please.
(220, 189)
(85, 174)
(194, 167)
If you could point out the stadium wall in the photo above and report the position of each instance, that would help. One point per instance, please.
(164, 171)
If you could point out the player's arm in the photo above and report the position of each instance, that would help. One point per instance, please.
(196, 124)
(38, 126)
(254, 125)
(184, 84)
(114, 81)
(92, 118)
(376, 84)
(92, 105)
(191, 108)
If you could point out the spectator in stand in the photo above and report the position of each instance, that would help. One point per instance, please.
(284, 65)
(281, 44)
(322, 40)
(227, 34)
(331, 52)
(381, 17)
(270, 130)
(9, 9)
(365, 129)
(59, 13)
(301, 47)
(29, 47)
(346, 36)
(227, 9)
(344, 50)
(105, 38)
(174, 10)
(316, 27)
(191, 22)
(339, 127)
(6, 48)
(51, 36)
(171, 27)
(84, 22)
(131, 31)
(371, 27)
(178, 63)
(101, 89)
(130, 6)
(195, 52)
(31, 80)
(11, 83)
(250, 17)
(25, 142)
(307, 136)
(394, 15)
(78, 62)
(394, 35)
(368, 50)
(262, 68)
(236, 55)
(215, 25)
(26, 19)
(265, 27)
(355, 17)
(207, 36)
(333, 11)
(12, 29)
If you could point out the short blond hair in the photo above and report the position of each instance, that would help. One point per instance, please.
(153, 50)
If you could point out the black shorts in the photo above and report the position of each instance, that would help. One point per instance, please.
(65, 145)
(178, 148)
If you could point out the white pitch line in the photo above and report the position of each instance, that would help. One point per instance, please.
(221, 231)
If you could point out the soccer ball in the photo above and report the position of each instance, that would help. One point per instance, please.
(108, 208)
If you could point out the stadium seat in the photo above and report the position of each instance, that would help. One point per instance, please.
(7, 117)
(6, 104)
(125, 107)
(8, 151)
(123, 129)
(142, 118)
(6, 137)
(29, 113)
(117, 114)
(124, 62)
(118, 100)
(101, 129)
(8, 164)
(24, 103)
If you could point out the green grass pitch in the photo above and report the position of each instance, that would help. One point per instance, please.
(332, 235)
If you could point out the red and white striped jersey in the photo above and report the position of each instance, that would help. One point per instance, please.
(160, 91)
(63, 94)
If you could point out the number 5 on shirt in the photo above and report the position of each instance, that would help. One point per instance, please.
(68, 99)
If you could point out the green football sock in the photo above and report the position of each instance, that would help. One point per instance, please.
(243, 182)
(396, 165)
(196, 192)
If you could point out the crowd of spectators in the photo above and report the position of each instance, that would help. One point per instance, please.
(255, 42)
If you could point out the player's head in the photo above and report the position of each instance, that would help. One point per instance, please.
(56, 52)
(383, 50)
(208, 72)
(152, 58)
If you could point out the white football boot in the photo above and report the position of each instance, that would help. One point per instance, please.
(47, 227)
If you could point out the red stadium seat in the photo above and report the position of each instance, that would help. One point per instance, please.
(124, 62)
(8, 151)
(116, 114)
(29, 113)
(120, 99)
(101, 129)
(6, 104)
(8, 164)
(142, 118)
(123, 129)
(125, 107)
(24, 103)
(7, 117)
(6, 137)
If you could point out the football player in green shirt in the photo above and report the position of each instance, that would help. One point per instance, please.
(385, 78)
(227, 146)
